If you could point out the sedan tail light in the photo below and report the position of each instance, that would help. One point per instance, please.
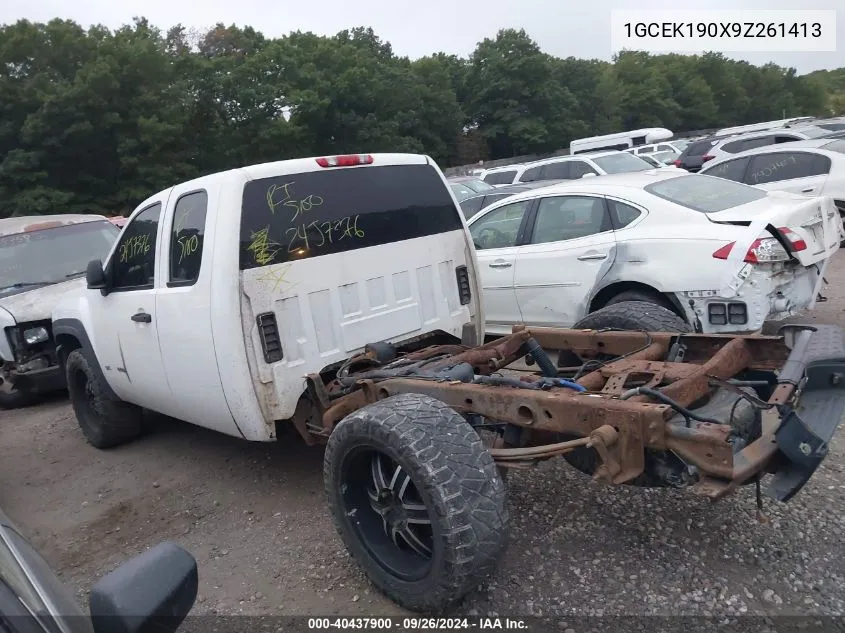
(766, 250)
(707, 157)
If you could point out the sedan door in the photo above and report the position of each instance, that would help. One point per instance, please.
(797, 172)
(569, 248)
(496, 234)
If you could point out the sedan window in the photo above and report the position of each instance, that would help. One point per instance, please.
(478, 185)
(758, 142)
(530, 175)
(779, 166)
(623, 214)
(461, 191)
(569, 217)
(500, 227)
(557, 171)
(578, 168)
(471, 206)
(730, 169)
(500, 177)
(835, 146)
(705, 194)
(620, 163)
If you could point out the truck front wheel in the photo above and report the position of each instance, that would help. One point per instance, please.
(417, 500)
(105, 421)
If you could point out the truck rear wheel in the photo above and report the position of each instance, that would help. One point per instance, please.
(105, 421)
(417, 500)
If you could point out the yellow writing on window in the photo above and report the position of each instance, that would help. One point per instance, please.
(282, 196)
(135, 246)
(262, 247)
(277, 195)
(187, 246)
(322, 233)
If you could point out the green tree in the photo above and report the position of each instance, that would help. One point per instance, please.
(513, 97)
(97, 120)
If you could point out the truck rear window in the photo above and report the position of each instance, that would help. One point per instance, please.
(296, 216)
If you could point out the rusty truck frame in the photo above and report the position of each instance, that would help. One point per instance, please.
(627, 407)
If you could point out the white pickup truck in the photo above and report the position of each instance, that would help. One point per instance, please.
(332, 294)
(223, 293)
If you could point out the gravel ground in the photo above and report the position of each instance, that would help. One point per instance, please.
(255, 518)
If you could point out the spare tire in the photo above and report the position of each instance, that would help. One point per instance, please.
(625, 315)
(634, 315)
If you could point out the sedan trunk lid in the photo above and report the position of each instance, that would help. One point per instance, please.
(815, 221)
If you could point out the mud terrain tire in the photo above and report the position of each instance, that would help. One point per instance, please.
(105, 421)
(440, 484)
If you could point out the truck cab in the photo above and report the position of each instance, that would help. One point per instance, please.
(223, 293)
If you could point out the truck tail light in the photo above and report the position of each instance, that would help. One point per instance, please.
(765, 250)
(346, 160)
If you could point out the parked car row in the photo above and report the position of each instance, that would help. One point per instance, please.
(723, 256)
(595, 163)
(736, 140)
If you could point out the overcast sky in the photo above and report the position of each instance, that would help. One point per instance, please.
(419, 27)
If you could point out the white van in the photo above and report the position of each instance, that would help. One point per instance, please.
(223, 293)
(621, 140)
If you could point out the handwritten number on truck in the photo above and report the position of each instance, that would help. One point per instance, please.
(318, 213)
(136, 246)
(188, 246)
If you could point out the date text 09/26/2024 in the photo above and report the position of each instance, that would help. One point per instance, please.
(418, 624)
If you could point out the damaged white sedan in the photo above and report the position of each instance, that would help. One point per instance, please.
(723, 256)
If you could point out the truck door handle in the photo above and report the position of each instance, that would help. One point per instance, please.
(591, 256)
(500, 265)
(808, 190)
(142, 317)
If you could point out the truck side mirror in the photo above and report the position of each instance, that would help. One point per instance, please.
(152, 592)
(95, 275)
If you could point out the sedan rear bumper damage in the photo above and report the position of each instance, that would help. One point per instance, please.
(759, 294)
